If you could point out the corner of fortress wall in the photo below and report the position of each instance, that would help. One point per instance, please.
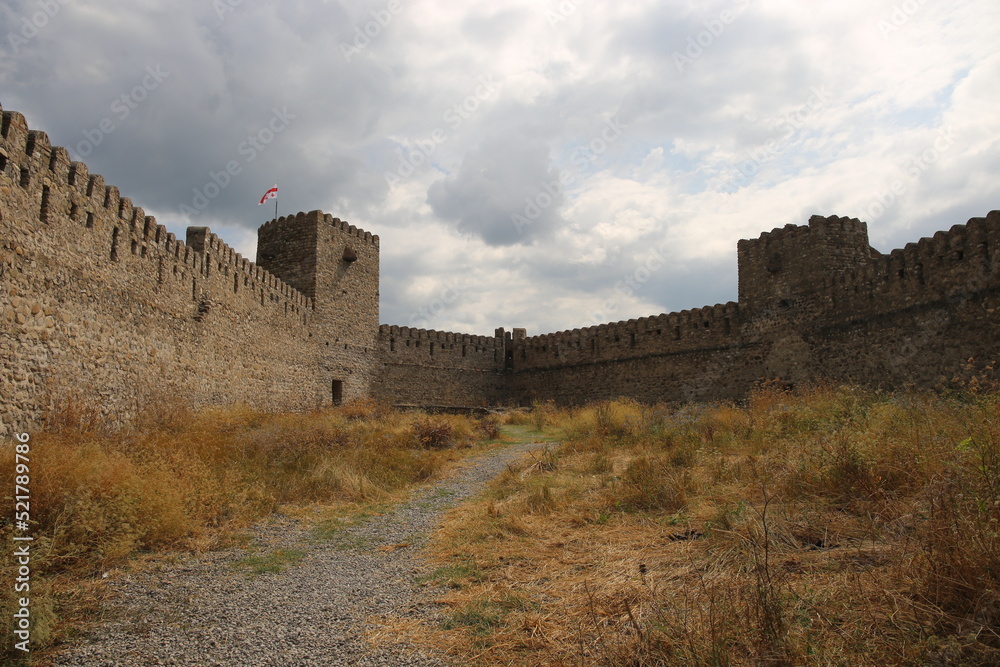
(428, 368)
(838, 277)
(816, 302)
(100, 302)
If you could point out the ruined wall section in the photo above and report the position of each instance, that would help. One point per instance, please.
(421, 367)
(99, 302)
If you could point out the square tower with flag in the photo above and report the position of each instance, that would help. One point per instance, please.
(337, 265)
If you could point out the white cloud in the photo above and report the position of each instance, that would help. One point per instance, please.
(790, 109)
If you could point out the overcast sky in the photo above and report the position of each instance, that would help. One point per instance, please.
(542, 164)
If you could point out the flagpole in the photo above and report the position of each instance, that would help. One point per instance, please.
(271, 194)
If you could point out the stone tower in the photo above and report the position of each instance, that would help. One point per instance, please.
(337, 265)
(787, 264)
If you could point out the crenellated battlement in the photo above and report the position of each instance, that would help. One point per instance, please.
(707, 317)
(284, 224)
(411, 333)
(786, 263)
(219, 256)
(71, 194)
(818, 225)
(802, 288)
(668, 333)
(440, 368)
(962, 260)
(98, 296)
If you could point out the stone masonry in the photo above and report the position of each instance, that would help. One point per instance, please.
(99, 304)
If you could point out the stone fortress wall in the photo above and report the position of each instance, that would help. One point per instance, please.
(427, 368)
(815, 302)
(99, 302)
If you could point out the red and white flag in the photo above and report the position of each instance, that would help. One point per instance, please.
(270, 194)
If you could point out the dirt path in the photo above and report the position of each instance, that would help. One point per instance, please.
(204, 611)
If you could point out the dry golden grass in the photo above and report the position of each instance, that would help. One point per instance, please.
(828, 527)
(184, 479)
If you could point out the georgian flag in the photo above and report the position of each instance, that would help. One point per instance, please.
(270, 194)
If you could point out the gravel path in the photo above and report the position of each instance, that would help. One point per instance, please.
(203, 611)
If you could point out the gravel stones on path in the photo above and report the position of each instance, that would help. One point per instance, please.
(203, 611)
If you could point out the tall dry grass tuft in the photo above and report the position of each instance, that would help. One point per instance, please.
(180, 478)
(958, 568)
(829, 525)
(652, 483)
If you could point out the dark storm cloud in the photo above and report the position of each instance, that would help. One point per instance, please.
(227, 115)
(505, 192)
